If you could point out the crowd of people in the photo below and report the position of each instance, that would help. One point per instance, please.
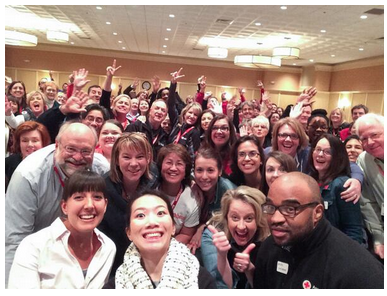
(144, 190)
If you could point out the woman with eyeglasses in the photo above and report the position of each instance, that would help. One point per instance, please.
(247, 158)
(290, 138)
(221, 136)
(330, 168)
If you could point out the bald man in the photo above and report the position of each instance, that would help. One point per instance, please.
(304, 250)
(32, 200)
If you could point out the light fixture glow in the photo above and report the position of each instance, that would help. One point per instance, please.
(115, 34)
(99, 7)
(171, 15)
(254, 61)
(217, 52)
(168, 29)
(363, 17)
(20, 39)
(323, 31)
(258, 24)
(286, 52)
(55, 36)
(284, 7)
(311, 60)
(108, 23)
(361, 49)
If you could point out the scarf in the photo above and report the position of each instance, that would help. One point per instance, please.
(180, 270)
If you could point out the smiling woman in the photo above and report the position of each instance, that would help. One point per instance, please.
(45, 259)
(155, 260)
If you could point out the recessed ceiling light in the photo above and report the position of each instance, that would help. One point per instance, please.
(311, 60)
(27, 61)
(124, 48)
(166, 39)
(71, 42)
(258, 24)
(361, 49)
(164, 46)
(323, 31)
(168, 29)
(163, 51)
(363, 17)
(332, 55)
(119, 41)
(171, 15)
(108, 23)
(294, 64)
(99, 7)
(114, 33)
(284, 7)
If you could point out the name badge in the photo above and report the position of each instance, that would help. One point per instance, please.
(382, 209)
(282, 267)
(326, 205)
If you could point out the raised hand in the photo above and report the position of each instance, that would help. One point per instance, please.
(260, 84)
(79, 78)
(220, 241)
(306, 96)
(75, 104)
(111, 70)
(296, 110)
(156, 83)
(202, 83)
(135, 83)
(176, 75)
(207, 95)
(8, 107)
(242, 260)
(241, 91)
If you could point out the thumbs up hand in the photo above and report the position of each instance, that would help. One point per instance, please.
(220, 241)
(242, 260)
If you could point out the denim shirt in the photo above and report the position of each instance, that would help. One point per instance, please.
(345, 216)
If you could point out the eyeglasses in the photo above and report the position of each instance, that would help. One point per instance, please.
(373, 137)
(285, 135)
(72, 150)
(221, 128)
(289, 211)
(326, 152)
(251, 154)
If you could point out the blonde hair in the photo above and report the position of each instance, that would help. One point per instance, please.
(32, 93)
(117, 98)
(196, 107)
(249, 195)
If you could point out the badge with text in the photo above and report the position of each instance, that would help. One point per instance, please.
(282, 267)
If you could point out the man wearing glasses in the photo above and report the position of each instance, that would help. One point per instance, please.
(370, 129)
(304, 251)
(32, 200)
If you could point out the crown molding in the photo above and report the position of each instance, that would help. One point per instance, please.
(365, 63)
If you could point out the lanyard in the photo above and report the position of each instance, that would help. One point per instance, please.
(176, 200)
(155, 139)
(58, 174)
(179, 135)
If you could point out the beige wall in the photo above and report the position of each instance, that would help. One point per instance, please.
(359, 82)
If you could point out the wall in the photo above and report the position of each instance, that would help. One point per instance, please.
(353, 83)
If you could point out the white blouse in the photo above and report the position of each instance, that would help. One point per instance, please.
(43, 261)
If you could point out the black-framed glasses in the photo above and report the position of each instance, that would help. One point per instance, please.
(287, 210)
(285, 135)
(326, 152)
(250, 154)
(222, 128)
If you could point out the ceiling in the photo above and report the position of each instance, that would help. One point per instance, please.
(143, 29)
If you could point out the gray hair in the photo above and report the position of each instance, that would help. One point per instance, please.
(260, 119)
(369, 117)
(68, 124)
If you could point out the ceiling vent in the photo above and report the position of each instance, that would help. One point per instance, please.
(224, 21)
(375, 11)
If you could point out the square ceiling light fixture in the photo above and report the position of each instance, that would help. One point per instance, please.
(286, 52)
(20, 39)
(256, 61)
(217, 52)
(57, 36)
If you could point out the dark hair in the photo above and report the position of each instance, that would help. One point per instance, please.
(160, 92)
(93, 86)
(285, 160)
(83, 181)
(209, 153)
(97, 107)
(239, 175)
(12, 98)
(339, 165)
(23, 102)
(201, 115)
(322, 115)
(360, 106)
(351, 137)
(115, 122)
(152, 192)
(181, 152)
(208, 139)
(30, 126)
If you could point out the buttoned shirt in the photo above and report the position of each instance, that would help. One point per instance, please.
(32, 201)
(43, 260)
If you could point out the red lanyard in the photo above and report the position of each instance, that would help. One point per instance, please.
(155, 139)
(58, 174)
(179, 135)
(176, 200)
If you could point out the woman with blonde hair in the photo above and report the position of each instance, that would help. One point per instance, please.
(238, 230)
(120, 107)
(131, 171)
(337, 122)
